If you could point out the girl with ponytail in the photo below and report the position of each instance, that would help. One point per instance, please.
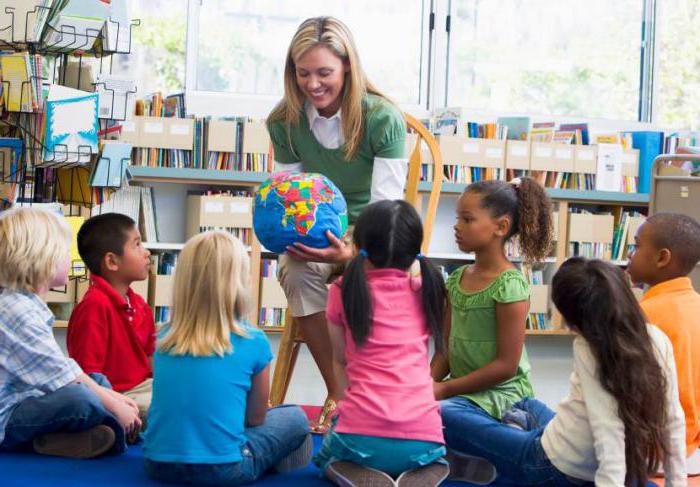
(622, 419)
(483, 369)
(380, 321)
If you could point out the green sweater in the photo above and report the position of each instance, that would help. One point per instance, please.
(384, 136)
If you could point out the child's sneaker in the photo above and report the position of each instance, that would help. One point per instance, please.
(299, 458)
(466, 468)
(346, 474)
(85, 444)
(429, 476)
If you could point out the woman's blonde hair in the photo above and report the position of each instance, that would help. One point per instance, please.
(209, 296)
(33, 242)
(333, 34)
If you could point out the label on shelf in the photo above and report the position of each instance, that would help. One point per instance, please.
(240, 207)
(563, 154)
(494, 153)
(543, 152)
(518, 151)
(179, 129)
(213, 207)
(153, 127)
(470, 148)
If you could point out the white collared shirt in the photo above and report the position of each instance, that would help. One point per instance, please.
(388, 175)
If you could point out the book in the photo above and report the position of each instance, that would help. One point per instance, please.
(20, 82)
(71, 126)
(579, 128)
(117, 28)
(518, 128)
(650, 144)
(542, 131)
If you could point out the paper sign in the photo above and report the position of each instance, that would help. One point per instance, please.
(585, 155)
(518, 151)
(494, 153)
(543, 152)
(563, 154)
(213, 207)
(240, 207)
(470, 148)
(609, 169)
(128, 126)
(179, 129)
(153, 127)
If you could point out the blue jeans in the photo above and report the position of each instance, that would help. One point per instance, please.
(391, 455)
(70, 409)
(517, 455)
(284, 430)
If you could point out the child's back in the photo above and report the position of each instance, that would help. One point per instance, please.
(390, 391)
(198, 408)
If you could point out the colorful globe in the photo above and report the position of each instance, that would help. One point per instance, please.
(298, 207)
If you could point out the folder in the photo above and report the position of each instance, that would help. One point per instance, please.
(650, 144)
(222, 136)
(256, 140)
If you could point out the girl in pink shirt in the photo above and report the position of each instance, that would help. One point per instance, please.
(380, 323)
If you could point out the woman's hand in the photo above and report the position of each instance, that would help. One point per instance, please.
(440, 391)
(337, 253)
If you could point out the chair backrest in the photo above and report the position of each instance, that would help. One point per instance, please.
(423, 140)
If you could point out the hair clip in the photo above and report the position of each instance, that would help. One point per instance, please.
(420, 256)
(363, 253)
(516, 182)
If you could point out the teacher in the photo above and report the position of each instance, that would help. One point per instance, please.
(332, 121)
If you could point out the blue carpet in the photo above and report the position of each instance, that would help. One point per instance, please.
(25, 469)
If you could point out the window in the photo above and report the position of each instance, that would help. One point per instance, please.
(157, 58)
(677, 95)
(242, 44)
(546, 57)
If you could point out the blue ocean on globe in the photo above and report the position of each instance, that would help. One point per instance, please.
(298, 207)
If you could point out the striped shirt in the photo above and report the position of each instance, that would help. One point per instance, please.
(31, 362)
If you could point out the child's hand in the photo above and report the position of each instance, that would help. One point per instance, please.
(126, 411)
(440, 391)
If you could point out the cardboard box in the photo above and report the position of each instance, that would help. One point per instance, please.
(552, 157)
(272, 295)
(131, 131)
(166, 133)
(586, 159)
(488, 153)
(62, 295)
(539, 298)
(256, 140)
(518, 154)
(591, 228)
(218, 211)
(222, 136)
(163, 290)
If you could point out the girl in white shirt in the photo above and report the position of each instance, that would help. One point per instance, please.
(622, 418)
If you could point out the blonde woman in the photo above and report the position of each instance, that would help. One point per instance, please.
(332, 121)
(208, 422)
(46, 401)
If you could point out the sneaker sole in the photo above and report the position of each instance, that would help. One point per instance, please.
(346, 474)
(429, 476)
(85, 444)
(299, 458)
(466, 468)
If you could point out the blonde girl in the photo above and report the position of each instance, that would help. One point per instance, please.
(208, 422)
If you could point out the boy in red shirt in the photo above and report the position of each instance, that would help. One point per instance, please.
(112, 331)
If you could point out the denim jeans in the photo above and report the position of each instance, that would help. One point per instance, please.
(72, 408)
(517, 455)
(284, 430)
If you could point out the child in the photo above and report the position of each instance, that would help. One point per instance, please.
(666, 250)
(622, 417)
(209, 423)
(380, 322)
(485, 363)
(112, 331)
(46, 401)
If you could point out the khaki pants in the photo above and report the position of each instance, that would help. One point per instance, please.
(141, 394)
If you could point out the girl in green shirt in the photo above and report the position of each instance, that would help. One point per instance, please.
(486, 370)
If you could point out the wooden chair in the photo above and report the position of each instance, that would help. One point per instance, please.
(291, 338)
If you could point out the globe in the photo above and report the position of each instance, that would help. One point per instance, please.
(298, 207)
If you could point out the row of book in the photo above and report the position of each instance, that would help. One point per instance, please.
(539, 319)
(270, 316)
(623, 235)
(164, 265)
